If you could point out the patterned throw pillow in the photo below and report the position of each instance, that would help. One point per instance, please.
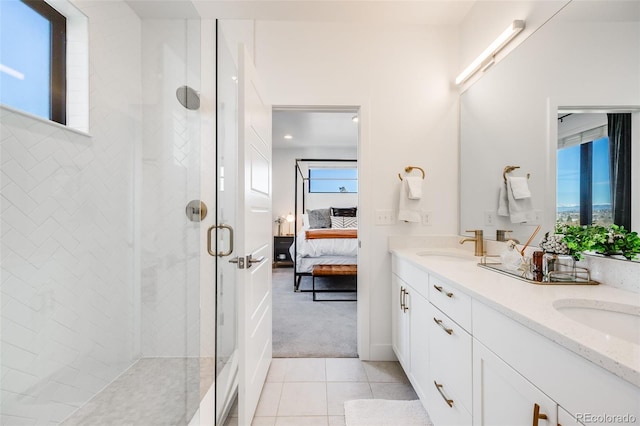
(344, 222)
(344, 211)
(319, 218)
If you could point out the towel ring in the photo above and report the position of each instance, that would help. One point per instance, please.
(509, 169)
(409, 169)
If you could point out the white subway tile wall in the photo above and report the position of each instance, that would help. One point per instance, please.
(68, 283)
(170, 179)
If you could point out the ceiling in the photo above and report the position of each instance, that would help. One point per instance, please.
(312, 129)
(425, 12)
(324, 128)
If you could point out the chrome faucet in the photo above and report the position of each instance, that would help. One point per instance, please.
(479, 241)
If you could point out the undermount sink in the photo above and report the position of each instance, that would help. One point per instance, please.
(446, 254)
(614, 319)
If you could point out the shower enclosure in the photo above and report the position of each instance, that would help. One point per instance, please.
(107, 293)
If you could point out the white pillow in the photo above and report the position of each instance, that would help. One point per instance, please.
(344, 222)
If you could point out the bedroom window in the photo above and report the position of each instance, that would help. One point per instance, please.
(35, 83)
(333, 180)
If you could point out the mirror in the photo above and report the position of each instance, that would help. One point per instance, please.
(586, 58)
(593, 168)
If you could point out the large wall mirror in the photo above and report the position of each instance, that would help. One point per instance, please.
(581, 67)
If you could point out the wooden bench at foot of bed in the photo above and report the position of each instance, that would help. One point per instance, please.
(333, 271)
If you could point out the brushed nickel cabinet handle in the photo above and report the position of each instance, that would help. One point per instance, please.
(439, 288)
(402, 298)
(447, 400)
(537, 415)
(449, 331)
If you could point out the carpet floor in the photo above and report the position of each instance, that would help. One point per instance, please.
(303, 328)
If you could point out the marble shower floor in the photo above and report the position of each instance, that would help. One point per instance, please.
(153, 391)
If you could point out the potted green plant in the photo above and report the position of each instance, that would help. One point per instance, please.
(568, 240)
(615, 240)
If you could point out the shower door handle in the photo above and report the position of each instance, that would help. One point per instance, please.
(210, 249)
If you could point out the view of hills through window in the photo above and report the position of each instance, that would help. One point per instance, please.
(568, 184)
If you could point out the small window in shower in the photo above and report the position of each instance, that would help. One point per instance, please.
(33, 58)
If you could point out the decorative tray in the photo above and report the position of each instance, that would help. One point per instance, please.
(577, 276)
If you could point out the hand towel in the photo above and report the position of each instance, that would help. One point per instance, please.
(519, 187)
(408, 210)
(503, 201)
(415, 187)
(519, 210)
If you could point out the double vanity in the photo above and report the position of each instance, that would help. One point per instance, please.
(485, 348)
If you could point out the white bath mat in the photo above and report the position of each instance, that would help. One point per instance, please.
(382, 412)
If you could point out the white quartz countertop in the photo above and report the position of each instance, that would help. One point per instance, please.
(533, 306)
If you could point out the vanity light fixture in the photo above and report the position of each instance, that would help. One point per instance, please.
(288, 137)
(354, 118)
(485, 60)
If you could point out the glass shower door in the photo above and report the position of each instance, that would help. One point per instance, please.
(227, 142)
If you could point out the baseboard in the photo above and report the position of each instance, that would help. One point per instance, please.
(381, 352)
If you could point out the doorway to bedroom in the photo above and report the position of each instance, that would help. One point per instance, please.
(315, 206)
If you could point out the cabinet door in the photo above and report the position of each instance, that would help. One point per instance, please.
(566, 419)
(400, 321)
(450, 360)
(501, 396)
(419, 313)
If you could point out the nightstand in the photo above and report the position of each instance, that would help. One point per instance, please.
(281, 256)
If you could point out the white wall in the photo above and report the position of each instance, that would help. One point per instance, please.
(587, 55)
(68, 306)
(284, 182)
(401, 77)
(488, 19)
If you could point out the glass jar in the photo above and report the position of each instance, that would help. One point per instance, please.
(558, 267)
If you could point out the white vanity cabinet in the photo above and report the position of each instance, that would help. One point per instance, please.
(566, 419)
(400, 320)
(449, 396)
(433, 349)
(472, 360)
(410, 313)
(504, 397)
(515, 368)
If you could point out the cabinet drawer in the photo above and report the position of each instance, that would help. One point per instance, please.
(450, 356)
(441, 413)
(412, 275)
(283, 242)
(451, 301)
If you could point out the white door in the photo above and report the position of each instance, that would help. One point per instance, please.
(253, 239)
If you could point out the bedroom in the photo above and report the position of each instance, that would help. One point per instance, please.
(305, 323)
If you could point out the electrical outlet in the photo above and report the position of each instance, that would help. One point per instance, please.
(537, 217)
(426, 218)
(490, 218)
(385, 217)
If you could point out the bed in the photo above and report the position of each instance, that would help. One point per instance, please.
(328, 235)
(323, 247)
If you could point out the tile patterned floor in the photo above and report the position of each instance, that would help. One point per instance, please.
(312, 391)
